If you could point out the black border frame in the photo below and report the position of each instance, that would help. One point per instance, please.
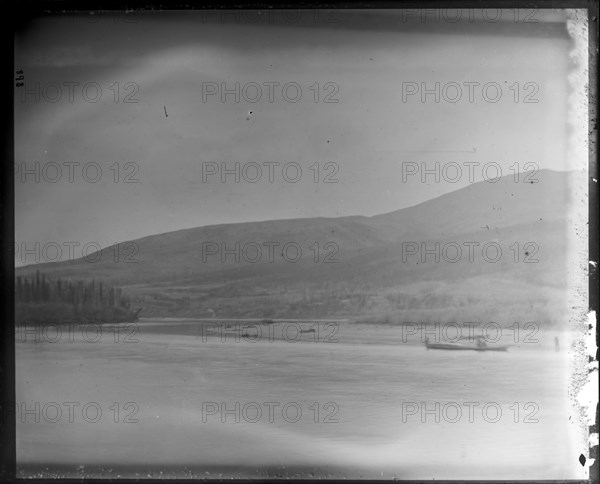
(26, 9)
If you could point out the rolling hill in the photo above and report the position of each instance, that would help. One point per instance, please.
(361, 267)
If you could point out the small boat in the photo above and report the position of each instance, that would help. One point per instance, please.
(476, 344)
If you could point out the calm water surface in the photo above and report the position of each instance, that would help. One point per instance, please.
(361, 405)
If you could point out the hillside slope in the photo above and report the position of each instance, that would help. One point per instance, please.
(362, 267)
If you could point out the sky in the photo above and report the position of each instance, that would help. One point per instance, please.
(367, 63)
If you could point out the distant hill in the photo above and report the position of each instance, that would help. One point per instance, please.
(370, 273)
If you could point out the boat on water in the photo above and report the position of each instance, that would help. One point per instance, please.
(476, 343)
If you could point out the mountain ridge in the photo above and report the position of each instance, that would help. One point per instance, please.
(353, 265)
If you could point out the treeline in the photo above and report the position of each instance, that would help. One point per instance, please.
(79, 293)
(42, 299)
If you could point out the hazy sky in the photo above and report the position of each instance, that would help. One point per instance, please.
(368, 133)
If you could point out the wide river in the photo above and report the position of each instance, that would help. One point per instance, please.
(186, 399)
